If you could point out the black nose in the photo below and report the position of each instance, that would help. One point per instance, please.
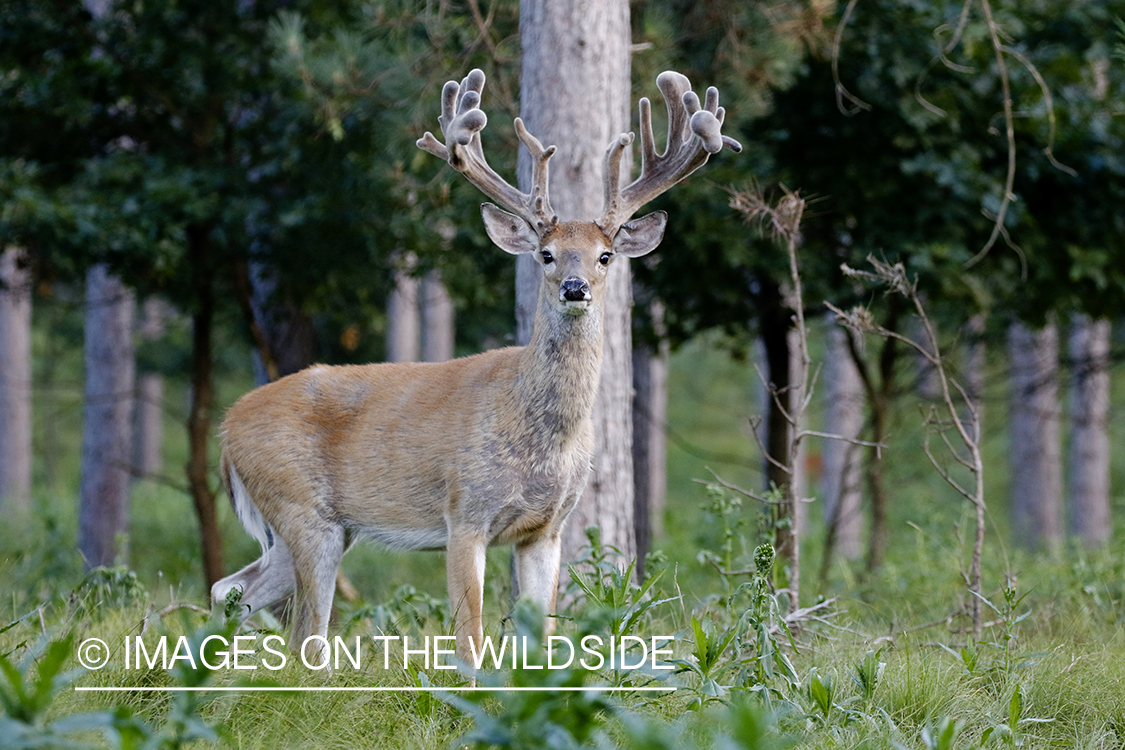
(575, 289)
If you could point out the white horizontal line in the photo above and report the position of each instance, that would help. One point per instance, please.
(372, 689)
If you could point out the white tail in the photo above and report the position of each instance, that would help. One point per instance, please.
(489, 449)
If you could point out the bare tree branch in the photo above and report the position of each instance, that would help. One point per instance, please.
(1010, 133)
(861, 321)
(754, 422)
(843, 439)
(842, 92)
(740, 490)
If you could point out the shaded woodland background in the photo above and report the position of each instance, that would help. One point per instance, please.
(250, 172)
(200, 197)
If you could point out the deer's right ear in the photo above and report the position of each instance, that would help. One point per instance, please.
(510, 233)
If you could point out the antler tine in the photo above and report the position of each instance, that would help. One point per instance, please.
(539, 201)
(694, 133)
(461, 122)
(611, 179)
(673, 87)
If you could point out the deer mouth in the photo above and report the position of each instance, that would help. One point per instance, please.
(575, 307)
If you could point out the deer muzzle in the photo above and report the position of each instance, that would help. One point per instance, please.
(574, 294)
(574, 289)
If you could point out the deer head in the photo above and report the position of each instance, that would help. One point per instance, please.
(575, 255)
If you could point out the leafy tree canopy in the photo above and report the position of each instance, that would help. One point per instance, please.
(906, 158)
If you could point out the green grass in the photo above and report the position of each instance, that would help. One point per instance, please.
(1067, 659)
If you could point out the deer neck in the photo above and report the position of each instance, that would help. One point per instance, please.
(559, 370)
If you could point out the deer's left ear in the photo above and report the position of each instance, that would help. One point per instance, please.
(640, 236)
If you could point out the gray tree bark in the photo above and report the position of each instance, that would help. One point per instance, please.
(103, 512)
(1035, 452)
(800, 472)
(575, 94)
(402, 318)
(843, 415)
(148, 405)
(15, 381)
(437, 319)
(1089, 437)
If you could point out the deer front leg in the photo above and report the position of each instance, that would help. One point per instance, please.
(464, 564)
(537, 566)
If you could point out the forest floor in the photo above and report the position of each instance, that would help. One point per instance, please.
(886, 663)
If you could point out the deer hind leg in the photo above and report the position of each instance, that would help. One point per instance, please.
(464, 563)
(537, 570)
(317, 548)
(268, 579)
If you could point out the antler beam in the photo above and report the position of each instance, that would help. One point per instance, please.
(693, 135)
(461, 123)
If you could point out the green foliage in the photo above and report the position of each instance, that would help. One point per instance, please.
(1011, 732)
(614, 603)
(708, 652)
(408, 612)
(277, 130)
(183, 723)
(29, 687)
(104, 589)
(741, 725)
(264, 135)
(999, 659)
(727, 508)
(372, 85)
(915, 172)
(534, 718)
(866, 676)
(25, 698)
(546, 716)
(821, 694)
(942, 735)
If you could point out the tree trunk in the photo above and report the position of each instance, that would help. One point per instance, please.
(402, 317)
(148, 405)
(47, 380)
(202, 405)
(880, 411)
(15, 381)
(796, 397)
(843, 415)
(1089, 438)
(103, 511)
(575, 93)
(650, 410)
(437, 319)
(879, 395)
(1035, 453)
(283, 335)
(774, 321)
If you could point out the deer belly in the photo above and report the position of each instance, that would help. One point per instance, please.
(407, 539)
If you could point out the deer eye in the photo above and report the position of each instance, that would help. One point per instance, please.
(604, 258)
(547, 257)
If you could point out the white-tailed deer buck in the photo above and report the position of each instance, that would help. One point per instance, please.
(489, 449)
